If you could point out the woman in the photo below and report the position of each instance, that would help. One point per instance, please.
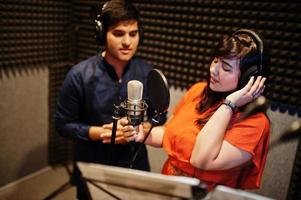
(206, 138)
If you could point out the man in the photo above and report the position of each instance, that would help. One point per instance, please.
(92, 87)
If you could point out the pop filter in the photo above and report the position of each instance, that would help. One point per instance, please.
(158, 91)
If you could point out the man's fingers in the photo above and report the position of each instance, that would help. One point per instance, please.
(108, 126)
(127, 129)
(124, 133)
(108, 135)
(120, 140)
(123, 121)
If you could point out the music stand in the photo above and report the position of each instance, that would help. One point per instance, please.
(109, 182)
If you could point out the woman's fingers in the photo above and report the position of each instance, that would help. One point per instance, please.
(262, 81)
(252, 90)
(249, 85)
(258, 87)
(140, 135)
(255, 84)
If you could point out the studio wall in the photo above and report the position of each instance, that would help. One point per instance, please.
(40, 40)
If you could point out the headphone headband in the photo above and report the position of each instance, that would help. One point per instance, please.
(257, 68)
(254, 36)
(259, 44)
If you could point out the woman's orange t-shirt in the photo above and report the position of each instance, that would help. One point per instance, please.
(251, 135)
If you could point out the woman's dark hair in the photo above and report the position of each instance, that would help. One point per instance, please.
(241, 46)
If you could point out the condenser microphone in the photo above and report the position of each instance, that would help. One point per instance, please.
(134, 105)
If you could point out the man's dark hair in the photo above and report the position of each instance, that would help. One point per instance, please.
(113, 12)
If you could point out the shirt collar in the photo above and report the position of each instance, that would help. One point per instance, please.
(111, 71)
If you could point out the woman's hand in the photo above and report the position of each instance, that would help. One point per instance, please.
(129, 132)
(251, 91)
(142, 131)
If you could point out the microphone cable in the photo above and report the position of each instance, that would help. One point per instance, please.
(142, 143)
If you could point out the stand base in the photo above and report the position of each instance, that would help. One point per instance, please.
(58, 191)
(75, 180)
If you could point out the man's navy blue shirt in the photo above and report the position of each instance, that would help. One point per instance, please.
(87, 96)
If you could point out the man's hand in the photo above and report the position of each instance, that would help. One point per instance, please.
(124, 132)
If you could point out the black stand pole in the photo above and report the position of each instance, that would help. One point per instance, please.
(76, 178)
(116, 117)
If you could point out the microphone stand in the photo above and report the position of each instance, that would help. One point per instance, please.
(76, 176)
(116, 117)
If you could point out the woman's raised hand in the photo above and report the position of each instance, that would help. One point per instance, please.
(251, 91)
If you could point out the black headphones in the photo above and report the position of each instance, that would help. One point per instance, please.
(100, 33)
(106, 11)
(255, 63)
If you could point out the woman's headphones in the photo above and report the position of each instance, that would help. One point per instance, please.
(115, 10)
(254, 63)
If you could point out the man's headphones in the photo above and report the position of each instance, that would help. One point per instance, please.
(254, 63)
(100, 30)
(108, 10)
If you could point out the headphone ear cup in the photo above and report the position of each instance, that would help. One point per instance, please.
(246, 75)
(100, 29)
(141, 34)
(100, 37)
